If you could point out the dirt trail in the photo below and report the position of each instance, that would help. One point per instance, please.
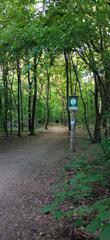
(28, 166)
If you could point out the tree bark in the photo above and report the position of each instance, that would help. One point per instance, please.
(97, 129)
(34, 97)
(21, 106)
(67, 86)
(19, 102)
(11, 103)
(29, 99)
(107, 97)
(47, 100)
(2, 114)
(5, 82)
(84, 104)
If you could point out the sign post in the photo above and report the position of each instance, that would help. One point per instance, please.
(73, 107)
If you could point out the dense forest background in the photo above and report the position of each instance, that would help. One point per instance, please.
(50, 50)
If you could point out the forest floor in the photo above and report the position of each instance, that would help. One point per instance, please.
(28, 167)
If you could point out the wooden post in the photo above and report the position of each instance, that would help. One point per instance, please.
(72, 133)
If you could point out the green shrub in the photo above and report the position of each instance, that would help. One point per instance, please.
(81, 189)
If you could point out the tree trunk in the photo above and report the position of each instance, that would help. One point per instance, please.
(83, 101)
(70, 78)
(63, 111)
(97, 129)
(34, 98)
(67, 86)
(29, 100)
(21, 106)
(85, 112)
(5, 82)
(2, 114)
(107, 97)
(19, 102)
(47, 100)
(11, 127)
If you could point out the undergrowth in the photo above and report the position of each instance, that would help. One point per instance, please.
(84, 193)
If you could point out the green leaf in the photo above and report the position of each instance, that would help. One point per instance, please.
(69, 213)
(60, 196)
(94, 225)
(49, 208)
(105, 215)
(102, 204)
(105, 234)
(58, 215)
(79, 222)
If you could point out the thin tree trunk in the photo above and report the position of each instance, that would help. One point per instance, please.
(29, 100)
(84, 104)
(63, 112)
(70, 77)
(11, 104)
(21, 106)
(85, 112)
(67, 87)
(98, 85)
(19, 102)
(97, 129)
(107, 98)
(5, 82)
(34, 98)
(47, 100)
(11, 127)
(2, 114)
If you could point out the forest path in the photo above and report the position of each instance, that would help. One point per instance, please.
(28, 166)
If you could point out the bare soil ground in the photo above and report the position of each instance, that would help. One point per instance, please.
(28, 166)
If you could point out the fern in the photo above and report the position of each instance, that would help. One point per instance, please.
(80, 187)
(105, 233)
